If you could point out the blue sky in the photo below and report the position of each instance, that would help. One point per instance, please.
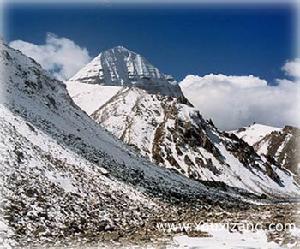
(179, 40)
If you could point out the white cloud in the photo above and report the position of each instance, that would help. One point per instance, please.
(237, 101)
(60, 56)
(292, 68)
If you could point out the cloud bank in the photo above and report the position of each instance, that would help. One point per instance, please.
(292, 68)
(237, 101)
(60, 56)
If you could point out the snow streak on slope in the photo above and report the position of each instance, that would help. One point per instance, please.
(61, 174)
(121, 67)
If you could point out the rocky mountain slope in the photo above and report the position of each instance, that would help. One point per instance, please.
(169, 130)
(62, 175)
(279, 144)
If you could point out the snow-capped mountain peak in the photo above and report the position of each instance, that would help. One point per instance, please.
(121, 67)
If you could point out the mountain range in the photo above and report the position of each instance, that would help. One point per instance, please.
(119, 90)
(63, 175)
(122, 153)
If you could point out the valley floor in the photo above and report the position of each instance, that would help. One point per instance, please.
(263, 226)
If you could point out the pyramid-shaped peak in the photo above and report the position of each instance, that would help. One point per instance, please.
(119, 66)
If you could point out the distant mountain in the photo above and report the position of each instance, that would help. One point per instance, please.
(120, 67)
(279, 144)
(63, 176)
(166, 128)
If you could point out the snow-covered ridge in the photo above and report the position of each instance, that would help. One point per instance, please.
(121, 67)
(280, 144)
(254, 133)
